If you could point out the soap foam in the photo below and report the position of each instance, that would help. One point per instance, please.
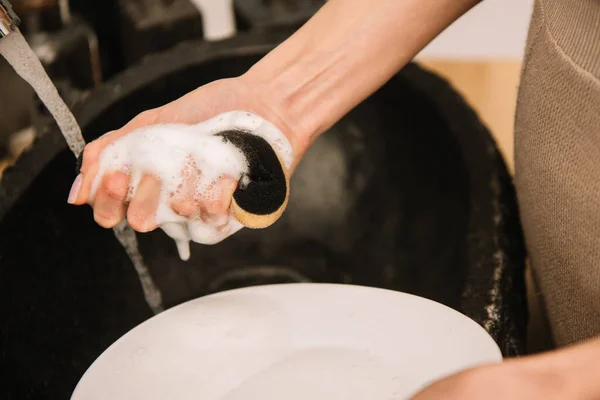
(189, 160)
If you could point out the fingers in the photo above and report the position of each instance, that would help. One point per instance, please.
(214, 208)
(211, 205)
(109, 204)
(184, 207)
(82, 186)
(92, 151)
(142, 208)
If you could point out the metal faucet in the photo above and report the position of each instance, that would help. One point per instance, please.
(9, 21)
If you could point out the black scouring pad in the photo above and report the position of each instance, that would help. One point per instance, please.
(261, 196)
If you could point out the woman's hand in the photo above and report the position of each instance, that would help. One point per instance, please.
(304, 86)
(567, 374)
(109, 203)
(498, 382)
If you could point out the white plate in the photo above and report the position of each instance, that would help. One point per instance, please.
(287, 342)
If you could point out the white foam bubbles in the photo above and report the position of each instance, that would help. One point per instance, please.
(189, 162)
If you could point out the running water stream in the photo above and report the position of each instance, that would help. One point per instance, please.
(23, 59)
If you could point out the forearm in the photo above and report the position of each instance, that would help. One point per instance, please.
(347, 51)
(576, 369)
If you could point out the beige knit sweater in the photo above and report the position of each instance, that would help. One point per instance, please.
(557, 162)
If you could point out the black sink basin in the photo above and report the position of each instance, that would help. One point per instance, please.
(407, 192)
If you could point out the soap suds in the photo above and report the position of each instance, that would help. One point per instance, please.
(189, 161)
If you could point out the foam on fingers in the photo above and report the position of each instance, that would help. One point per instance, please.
(236, 145)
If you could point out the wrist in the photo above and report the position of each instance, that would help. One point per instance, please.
(571, 372)
(252, 96)
(579, 364)
(342, 55)
(284, 104)
(303, 88)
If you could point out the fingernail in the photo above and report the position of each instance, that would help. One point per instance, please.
(75, 189)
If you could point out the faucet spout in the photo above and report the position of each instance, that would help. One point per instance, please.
(9, 21)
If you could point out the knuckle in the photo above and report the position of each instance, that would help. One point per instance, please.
(472, 380)
(104, 221)
(116, 193)
(115, 188)
(147, 117)
(138, 220)
(90, 155)
(135, 221)
(183, 208)
(216, 207)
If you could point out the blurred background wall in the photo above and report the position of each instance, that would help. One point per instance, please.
(481, 55)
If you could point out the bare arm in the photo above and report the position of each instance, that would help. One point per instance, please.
(570, 373)
(346, 52)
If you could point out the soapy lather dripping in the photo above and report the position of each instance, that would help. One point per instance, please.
(17, 52)
(235, 144)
